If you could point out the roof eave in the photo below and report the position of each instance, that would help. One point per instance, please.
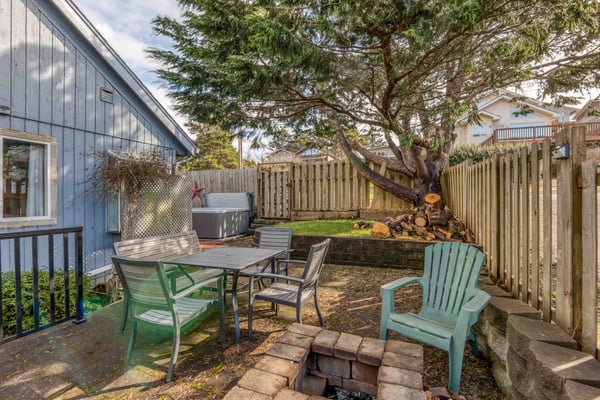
(91, 34)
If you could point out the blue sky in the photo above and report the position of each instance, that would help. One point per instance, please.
(125, 24)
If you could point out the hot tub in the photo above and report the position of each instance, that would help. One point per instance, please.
(225, 215)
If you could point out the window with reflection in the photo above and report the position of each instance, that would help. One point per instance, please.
(25, 178)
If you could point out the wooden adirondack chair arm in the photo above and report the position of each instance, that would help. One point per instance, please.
(398, 283)
(187, 291)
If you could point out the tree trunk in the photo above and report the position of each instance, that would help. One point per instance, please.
(426, 177)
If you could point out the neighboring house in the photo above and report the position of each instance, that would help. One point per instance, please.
(383, 151)
(306, 154)
(590, 112)
(313, 154)
(504, 109)
(280, 156)
(66, 96)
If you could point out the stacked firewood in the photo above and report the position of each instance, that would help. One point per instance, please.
(430, 221)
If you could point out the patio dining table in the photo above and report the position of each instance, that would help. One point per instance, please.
(232, 260)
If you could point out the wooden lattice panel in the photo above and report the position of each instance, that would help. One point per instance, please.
(165, 208)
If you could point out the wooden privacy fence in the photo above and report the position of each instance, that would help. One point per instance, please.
(307, 190)
(539, 232)
(224, 181)
(321, 189)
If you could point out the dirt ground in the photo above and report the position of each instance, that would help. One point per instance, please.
(350, 302)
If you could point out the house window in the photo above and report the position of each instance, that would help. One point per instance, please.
(28, 179)
(479, 130)
(518, 113)
(113, 213)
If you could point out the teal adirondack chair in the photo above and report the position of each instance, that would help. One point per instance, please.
(451, 303)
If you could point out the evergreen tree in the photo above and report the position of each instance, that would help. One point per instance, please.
(403, 70)
(215, 150)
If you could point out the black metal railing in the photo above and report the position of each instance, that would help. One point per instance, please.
(41, 280)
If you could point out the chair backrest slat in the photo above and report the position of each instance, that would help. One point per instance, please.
(315, 262)
(457, 285)
(450, 277)
(145, 282)
(275, 238)
(159, 247)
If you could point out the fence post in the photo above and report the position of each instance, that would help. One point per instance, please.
(80, 317)
(589, 325)
(569, 241)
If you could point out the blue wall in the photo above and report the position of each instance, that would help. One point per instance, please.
(50, 77)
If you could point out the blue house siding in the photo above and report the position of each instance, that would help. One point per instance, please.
(53, 65)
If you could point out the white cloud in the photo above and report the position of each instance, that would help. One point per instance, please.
(126, 26)
(161, 95)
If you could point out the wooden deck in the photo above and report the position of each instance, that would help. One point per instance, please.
(532, 134)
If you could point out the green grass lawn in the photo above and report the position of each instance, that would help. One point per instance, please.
(329, 227)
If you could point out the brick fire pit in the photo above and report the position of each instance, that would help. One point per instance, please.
(307, 359)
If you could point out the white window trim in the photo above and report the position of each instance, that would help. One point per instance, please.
(51, 177)
(476, 127)
(113, 203)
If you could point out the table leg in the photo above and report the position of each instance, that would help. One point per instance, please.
(234, 303)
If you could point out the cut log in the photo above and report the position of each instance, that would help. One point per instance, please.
(433, 199)
(397, 225)
(439, 217)
(421, 218)
(420, 230)
(405, 218)
(447, 234)
(428, 236)
(439, 235)
(407, 227)
(380, 230)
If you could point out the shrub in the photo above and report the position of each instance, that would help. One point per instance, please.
(9, 315)
(477, 153)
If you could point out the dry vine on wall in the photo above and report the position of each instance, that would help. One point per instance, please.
(127, 175)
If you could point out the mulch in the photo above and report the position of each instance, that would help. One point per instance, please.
(350, 302)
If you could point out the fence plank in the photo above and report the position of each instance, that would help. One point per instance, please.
(547, 230)
(589, 328)
(507, 224)
(524, 215)
(535, 226)
(514, 232)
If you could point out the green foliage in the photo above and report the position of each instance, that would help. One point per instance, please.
(9, 320)
(404, 70)
(477, 153)
(215, 150)
(328, 227)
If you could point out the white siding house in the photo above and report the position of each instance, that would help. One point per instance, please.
(504, 109)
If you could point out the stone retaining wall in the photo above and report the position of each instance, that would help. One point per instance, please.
(386, 253)
(532, 359)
